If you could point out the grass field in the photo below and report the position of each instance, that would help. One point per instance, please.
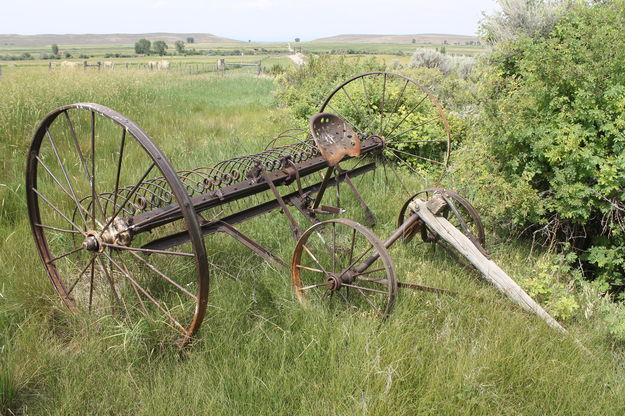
(259, 351)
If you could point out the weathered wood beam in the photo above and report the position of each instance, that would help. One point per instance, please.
(489, 269)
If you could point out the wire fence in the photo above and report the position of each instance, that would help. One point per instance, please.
(220, 66)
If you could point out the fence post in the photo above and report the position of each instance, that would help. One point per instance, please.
(84, 64)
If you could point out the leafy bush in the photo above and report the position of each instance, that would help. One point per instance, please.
(552, 137)
(447, 64)
(427, 58)
(518, 18)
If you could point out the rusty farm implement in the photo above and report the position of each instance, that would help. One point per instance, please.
(118, 228)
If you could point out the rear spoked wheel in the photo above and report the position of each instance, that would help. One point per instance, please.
(404, 114)
(340, 262)
(90, 170)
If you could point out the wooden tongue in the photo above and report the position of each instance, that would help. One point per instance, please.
(334, 137)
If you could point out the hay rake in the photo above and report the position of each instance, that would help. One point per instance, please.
(117, 228)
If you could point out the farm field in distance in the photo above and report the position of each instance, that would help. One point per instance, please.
(269, 54)
(259, 351)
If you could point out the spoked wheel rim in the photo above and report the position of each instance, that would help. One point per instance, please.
(88, 172)
(325, 264)
(404, 114)
(465, 218)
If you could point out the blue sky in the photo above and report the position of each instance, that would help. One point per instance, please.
(256, 20)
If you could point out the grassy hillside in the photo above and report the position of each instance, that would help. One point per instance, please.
(435, 38)
(106, 39)
(259, 351)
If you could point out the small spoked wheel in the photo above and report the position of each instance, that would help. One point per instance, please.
(458, 211)
(341, 262)
(91, 172)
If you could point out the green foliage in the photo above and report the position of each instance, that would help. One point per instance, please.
(55, 49)
(179, 47)
(160, 47)
(303, 88)
(143, 46)
(553, 128)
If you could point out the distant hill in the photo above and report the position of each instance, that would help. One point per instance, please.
(434, 38)
(115, 38)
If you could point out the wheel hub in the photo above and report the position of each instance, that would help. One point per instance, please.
(92, 242)
(117, 233)
(334, 282)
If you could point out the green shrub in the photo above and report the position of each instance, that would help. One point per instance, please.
(552, 136)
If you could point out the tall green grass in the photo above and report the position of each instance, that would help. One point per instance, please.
(259, 351)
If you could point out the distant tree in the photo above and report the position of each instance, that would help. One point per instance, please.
(190, 40)
(160, 47)
(296, 39)
(67, 55)
(143, 46)
(55, 49)
(445, 42)
(414, 40)
(179, 46)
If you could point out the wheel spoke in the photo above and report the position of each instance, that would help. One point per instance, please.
(359, 110)
(134, 288)
(76, 250)
(417, 156)
(414, 127)
(72, 197)
(401, 94)
(69, 184)
(57, 210)
(130, 194)
(314, 286)
(413, 170)
(148, 250)
(364, 295)
(420, 141)
(391, 164)
(81, 274)
(338, 113)
(58, 229)
(364, 288)
(368, 107)
(357, 260)
(110, 280)
(119, 168)
(408, 114)
(163, 275)
(371, 271)
(299, 266)
(147, 295)
(70, 125)
(312, 256)
(382, 106)
(91, 283)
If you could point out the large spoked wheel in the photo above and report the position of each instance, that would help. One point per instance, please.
(341, 262)
(90, 170)
(405, 115)
(459, 212)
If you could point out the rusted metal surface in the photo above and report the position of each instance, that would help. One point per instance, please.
(334, 137)
(132, 228)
